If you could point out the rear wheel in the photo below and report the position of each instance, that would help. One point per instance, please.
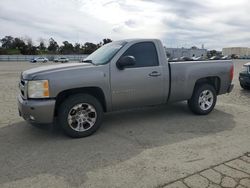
(80, 115)
(203, 99)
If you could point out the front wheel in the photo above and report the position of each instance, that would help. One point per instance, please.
(244, 86)
(80, 115)
(203, 99)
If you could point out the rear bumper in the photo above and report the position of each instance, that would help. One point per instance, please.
(37, 111)
(230, 88)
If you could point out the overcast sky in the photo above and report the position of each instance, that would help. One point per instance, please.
(214, 23)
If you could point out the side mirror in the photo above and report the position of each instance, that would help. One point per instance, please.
(125, 61)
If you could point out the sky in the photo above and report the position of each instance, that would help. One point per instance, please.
(178, 23)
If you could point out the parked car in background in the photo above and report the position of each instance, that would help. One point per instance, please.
(225, 57)
(215, 58)
(244, 76)
(61, 59)
(197, 58)
(176, 59)
(119, 75)
(39, 59)
(184, 58)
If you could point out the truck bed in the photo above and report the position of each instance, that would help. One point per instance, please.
(185, 74)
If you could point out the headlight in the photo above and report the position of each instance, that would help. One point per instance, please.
(38, 89)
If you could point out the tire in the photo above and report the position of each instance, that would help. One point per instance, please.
(75, 113)
(244, 86)
(203, 99)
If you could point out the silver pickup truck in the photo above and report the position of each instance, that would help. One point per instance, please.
(119, 75)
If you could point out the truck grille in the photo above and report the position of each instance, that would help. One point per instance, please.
(23, 88)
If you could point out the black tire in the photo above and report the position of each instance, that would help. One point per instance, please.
(194, 104)
(68, 105)
(244, 86)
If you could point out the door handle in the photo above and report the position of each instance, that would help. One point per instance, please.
(154, 74)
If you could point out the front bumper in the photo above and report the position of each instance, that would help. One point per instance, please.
(244, 80)
(37, 111)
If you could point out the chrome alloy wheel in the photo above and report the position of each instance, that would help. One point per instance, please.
(82, 117)
(206, 99)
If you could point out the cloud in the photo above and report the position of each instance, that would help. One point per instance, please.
(177, 23)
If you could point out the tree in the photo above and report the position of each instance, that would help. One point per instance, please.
(53, 46)
(100, 44)
(89, 47)
(77, 48)
(18, 43)
(67, 48)
(7, 42)
(2, 51)
(42, 45)
(30, 49)
(106, 41)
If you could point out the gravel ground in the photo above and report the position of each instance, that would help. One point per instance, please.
(149, 147)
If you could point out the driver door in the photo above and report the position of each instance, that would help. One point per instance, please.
(140, 84)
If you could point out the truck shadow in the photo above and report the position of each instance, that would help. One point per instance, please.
(29, 151)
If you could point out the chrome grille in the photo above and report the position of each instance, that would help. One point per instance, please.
(23, 88)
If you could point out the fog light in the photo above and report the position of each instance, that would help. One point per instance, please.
(32, 118)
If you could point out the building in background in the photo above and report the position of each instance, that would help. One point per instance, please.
(186, 52)
(240, 52)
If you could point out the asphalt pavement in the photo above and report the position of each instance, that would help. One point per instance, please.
(148, 147)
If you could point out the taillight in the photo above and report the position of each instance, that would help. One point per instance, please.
(232, 72)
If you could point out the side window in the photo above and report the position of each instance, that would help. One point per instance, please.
(145, 54)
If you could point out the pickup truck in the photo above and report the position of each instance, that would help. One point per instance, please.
(119, 75)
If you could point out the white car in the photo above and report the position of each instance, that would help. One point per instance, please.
(61, 59)
(196, 58)
(39, 59)
(225, 57)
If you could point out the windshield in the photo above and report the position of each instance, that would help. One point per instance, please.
(105, 53)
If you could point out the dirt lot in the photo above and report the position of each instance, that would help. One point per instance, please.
(147, 147)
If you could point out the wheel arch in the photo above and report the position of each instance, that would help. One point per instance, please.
(215, 81)
(93, 91)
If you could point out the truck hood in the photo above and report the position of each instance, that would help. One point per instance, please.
(34, 72)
